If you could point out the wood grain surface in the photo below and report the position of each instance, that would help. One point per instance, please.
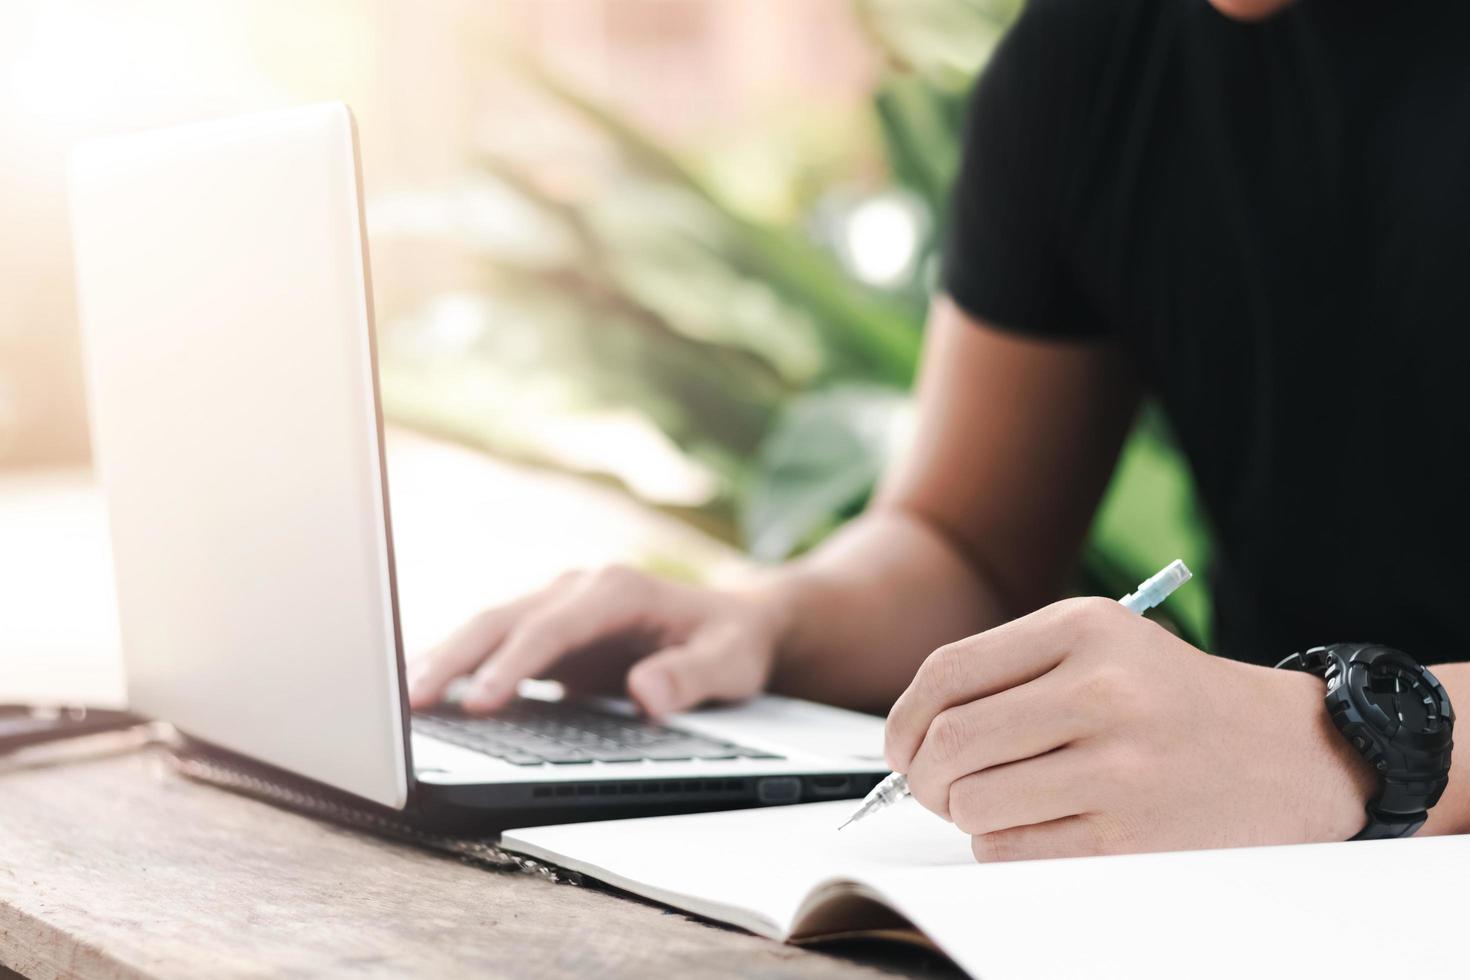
(112, 865)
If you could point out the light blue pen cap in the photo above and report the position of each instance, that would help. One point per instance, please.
(1157, 588)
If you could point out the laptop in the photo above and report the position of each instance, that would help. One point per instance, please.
(227, 325)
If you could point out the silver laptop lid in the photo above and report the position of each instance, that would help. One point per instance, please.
(227, 324)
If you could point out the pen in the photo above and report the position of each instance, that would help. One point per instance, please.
(1153, 591)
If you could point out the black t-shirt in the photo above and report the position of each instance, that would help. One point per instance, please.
(1273, 219)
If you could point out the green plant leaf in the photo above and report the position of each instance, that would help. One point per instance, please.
(879, 337)
(819, 464)
(919, 135)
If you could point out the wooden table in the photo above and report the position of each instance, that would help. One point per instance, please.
(112, 865)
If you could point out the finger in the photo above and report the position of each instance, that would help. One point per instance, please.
(1018, 723)
(603, 605)
(1018, 794)
(987, 664)
(1080, 836)
(681, 677)
(430, 674)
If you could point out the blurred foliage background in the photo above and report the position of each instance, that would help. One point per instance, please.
(727, 328)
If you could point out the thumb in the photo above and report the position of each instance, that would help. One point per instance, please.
(677, 678)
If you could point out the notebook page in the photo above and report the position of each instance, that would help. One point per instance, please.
(1370, 909)
(1305, 910)
(751, 868)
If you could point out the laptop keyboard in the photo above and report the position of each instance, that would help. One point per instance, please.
(532, 733)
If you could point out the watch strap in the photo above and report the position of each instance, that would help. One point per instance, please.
(1387, 826)
(1313, 661)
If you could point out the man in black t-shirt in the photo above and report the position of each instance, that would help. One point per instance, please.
(1255, 211)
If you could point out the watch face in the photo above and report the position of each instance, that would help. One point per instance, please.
(1403, 694)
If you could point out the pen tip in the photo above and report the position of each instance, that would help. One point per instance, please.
(846, 822)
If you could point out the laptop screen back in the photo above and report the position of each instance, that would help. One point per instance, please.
(227, 325)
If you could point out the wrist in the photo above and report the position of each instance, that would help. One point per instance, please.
(1451, 815)
(1339, 780)
(769, 597)
(1398, 718)
(775, 599)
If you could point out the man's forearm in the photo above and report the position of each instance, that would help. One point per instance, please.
(864, 610)
(1452, 814)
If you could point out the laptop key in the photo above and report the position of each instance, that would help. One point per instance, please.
(668, 754)
(616, 755)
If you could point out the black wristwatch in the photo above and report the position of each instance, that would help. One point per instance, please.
(1397, 714)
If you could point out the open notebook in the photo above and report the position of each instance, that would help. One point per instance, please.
(1368, 909)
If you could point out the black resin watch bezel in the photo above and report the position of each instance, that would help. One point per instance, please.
(1413, 765)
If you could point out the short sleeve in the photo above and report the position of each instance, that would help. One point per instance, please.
(1004, 259)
